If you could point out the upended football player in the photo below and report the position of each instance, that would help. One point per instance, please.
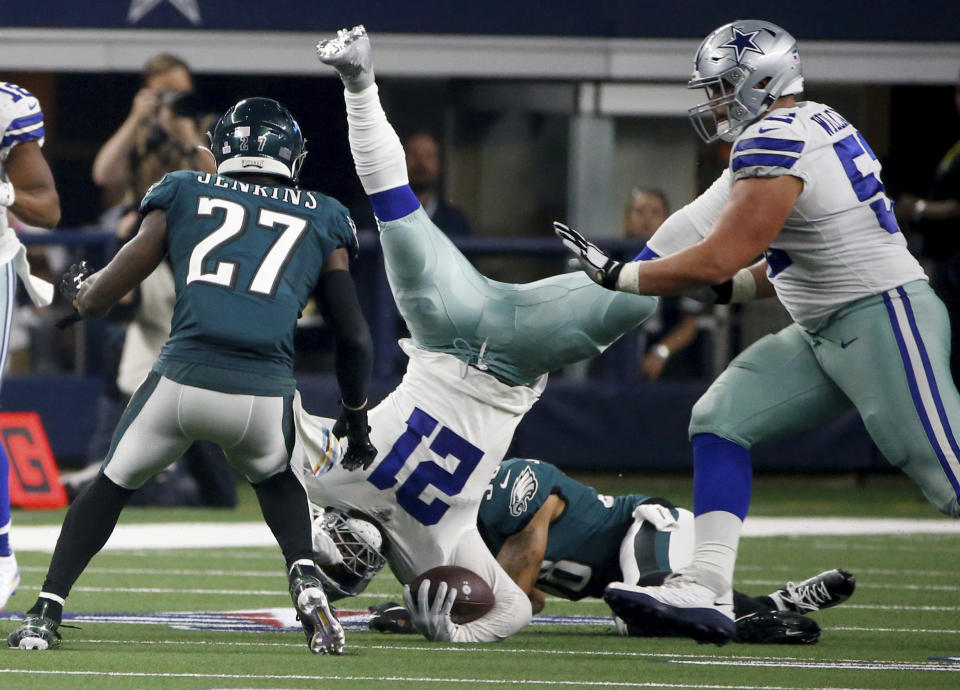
(479, 354)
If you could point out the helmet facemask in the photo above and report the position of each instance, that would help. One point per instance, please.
(359, 542)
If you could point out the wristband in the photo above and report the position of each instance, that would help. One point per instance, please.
(628, 278)
(744, 287)
(662, 351)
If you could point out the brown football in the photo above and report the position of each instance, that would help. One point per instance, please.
(474, 596)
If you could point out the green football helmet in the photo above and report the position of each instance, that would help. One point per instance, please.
(258, 136)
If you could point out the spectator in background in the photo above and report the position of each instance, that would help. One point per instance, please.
(936, 217)
(114, 164)
(674, 326)
(28, 190)
(424, 170)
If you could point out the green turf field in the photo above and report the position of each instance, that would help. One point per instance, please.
(903, 614)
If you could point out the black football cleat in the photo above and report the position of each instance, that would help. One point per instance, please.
(776, 627)
(822, 591)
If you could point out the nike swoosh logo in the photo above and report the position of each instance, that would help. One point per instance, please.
(844, 344)
(506, 480)
(768, 129)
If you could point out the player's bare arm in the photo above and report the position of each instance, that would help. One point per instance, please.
(523, 552)
(750, 221)
(37, 201)
(134, 262)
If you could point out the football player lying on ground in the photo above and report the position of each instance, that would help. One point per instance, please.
(246, 248)
(554, 535)
(479, 353)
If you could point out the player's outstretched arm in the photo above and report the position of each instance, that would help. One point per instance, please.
(522, 553)
(135, 261)
(354, 357)
(32, 195)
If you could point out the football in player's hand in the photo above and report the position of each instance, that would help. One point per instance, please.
(474, 596)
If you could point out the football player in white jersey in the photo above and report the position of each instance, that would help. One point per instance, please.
(803, 188)
(28, 190)
(478, 355)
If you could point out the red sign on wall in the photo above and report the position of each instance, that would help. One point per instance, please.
(34, 479)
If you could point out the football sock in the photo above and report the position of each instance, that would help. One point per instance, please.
(721, 498)
(378, 156)
(717, 537)
(86, 528)
(721, 476)
(49, 605)
(772, 601)
(743, 604)
(5, 540)
(283, 502)
(4, 503)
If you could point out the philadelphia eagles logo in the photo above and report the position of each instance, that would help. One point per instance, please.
(524, 488)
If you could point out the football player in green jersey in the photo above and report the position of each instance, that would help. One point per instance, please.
(554, 535)
(247, 248)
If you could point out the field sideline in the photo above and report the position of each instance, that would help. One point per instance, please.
(158, 617)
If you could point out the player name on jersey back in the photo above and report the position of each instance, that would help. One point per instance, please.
(297, 197)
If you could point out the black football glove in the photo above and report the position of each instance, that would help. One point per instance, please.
(72, 279)
(601, 268)
(70, 284)
(391, 617)
(352, 425)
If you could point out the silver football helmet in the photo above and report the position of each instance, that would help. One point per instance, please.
(360, 542)
(744, 66)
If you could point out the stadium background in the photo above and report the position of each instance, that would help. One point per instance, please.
(580, 101)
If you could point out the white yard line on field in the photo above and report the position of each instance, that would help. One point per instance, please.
(395, 679)
(205, 535)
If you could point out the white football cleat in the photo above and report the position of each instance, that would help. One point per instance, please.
(680, 606)
(349, 53)
(9, 578)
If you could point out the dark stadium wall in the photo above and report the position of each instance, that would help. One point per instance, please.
(922, 20)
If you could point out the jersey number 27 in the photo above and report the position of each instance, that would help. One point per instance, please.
(267, 276)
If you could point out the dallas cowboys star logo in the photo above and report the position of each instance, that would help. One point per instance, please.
(743, 43)
(188, 8)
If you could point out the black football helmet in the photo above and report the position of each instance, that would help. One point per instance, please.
(258, 135)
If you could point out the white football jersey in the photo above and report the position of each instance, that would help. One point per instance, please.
(21, 120)
(440, 437)
(840, 242)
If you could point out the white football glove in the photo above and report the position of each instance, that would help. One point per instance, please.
(601, 268)
(432, 620)
(657, 515)
(7, 194)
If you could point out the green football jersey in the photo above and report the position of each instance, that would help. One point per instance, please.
(583, 544)
(245, 260)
